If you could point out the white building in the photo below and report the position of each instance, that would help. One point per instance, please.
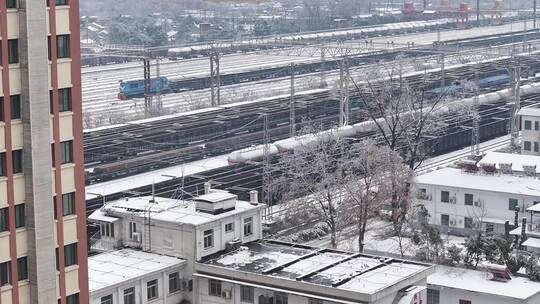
(457, 199)
(530, 129)
(450, 285)
(283, 273)
(134, 276)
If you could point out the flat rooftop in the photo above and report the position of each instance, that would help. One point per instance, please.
(478, 281)
(168, 210)
(517, 160)
(503, 183)
(109, 269)
(354, 272)
(531, 110)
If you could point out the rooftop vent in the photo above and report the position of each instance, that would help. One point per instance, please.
(506, 168)
(499, 273)
(215, 202)
(254, 197)
(468, 166)
(488, 168)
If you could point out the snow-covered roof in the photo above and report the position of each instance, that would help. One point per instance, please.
(532, 110)
(109, 269)
(168, 210)
(532, 242)
(517, 160)
(478, 281)
(503, 183)
(348, 271)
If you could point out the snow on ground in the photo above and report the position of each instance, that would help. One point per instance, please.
(377, 240)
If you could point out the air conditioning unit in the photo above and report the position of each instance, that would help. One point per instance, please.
(137, 237)
(184, 285)
(226, 294)
(453, 200)
(452, 223)
(478, 203)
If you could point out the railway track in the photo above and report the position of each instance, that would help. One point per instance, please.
(241, 178)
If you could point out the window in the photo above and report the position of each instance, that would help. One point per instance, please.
(528, 125)
(527, 145)
(468, 199)
(66, 150)
(11, 4)
(248, 226)
(464, 302)
(468, 223)
(64, 100)
(535, 146)
(2, 109)
(129, 296)
(536, 125)
(107, 299)
(445, 196)
(152, 290)
(433, 296)
(70, 254)
(4, 273)
(3, 166)
(512, 204)
(214, 288)
(15, 103)
(247, 294)
(22, 268)
(20, 216)
(490, 227)
(68, 203)
(72, 299)
(13, 51)
(229, 227)
(281, 298)
(208, 238)
(61, 2)
(62, 46)
(132, 229)
(17, 161)
(4, 220)
(445, 220)
(107, 229)
(174, 282)
(315, 301)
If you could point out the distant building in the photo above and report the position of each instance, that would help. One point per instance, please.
(450, 285)
(530, 129)
(487, 194)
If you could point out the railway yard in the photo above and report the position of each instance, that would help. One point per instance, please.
(174, 155)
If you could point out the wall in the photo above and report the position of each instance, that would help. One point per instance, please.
(529, 135)
(117, 291)
(452, 296)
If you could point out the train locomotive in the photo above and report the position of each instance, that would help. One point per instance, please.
(136, 88)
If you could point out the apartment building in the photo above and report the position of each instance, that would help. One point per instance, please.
(42, 209)
(479, 195)
(530, 129)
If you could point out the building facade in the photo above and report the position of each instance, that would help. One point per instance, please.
(530, 129)
(42, 208)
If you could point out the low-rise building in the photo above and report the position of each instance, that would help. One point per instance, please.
(282, 273)
(134, 276)
(450, 285)
(459, 199)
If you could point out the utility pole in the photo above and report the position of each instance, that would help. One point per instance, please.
(344, 92)
(215, 79)
(475, 131)
(323, 63)
(159, 87)
(514, 119)
(292, 114)
(534, 13)
(477, 12)
(443, 72)
(147, 86)
(267, 195)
